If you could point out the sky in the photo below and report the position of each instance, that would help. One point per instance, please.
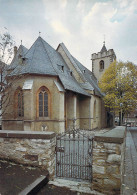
(82, 25)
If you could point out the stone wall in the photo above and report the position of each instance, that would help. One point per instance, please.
(108, 161)
(29, 148)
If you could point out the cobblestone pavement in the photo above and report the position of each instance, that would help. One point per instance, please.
(130, 176)
(133, 131)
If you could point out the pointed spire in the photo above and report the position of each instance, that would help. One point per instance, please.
(39, 33)
(103, 48)
(21, 42)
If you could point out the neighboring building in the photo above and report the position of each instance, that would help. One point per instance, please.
(131, 119)
(101, 61)
(53, 92)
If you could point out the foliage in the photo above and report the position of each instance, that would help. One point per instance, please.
(119, 84)
(6, 53)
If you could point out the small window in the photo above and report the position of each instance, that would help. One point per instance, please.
(43, 102)
(62, 68)
(71, 73)
(101, 65)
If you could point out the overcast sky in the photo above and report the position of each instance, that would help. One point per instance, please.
(79, 24)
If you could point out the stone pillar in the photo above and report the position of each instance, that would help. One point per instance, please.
(61, 124)
(85, 112)
(108, 160)
(71, 109)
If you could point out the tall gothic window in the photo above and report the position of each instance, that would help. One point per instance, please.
(43, 102)
(101, 65)
(20, 104)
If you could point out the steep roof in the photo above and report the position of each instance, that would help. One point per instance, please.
(104, 49)
(89, 80)
(43, 59)
(20, 53)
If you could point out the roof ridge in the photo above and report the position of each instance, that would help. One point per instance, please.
(47, 53)
(79, 68)
(32, 53)
(72, 60)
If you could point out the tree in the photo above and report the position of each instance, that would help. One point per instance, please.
(6, 53)
(118, 83)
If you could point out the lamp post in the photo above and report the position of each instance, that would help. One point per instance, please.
(121, 104)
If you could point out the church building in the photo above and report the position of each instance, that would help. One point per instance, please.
(53, 91)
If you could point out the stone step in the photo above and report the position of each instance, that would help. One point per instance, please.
(34, 187)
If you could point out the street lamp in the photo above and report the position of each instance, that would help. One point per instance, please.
(121, 104)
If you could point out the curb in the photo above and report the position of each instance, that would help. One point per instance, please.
(34, 187)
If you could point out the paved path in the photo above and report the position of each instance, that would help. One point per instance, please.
(130, 176)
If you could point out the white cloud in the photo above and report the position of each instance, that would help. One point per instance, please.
(81, 6)
(58, 27)
(63, 3)
(81, 25)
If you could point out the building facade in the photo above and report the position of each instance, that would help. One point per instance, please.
(52, 91)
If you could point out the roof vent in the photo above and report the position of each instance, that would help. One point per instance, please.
(84, 71)
(61, 67)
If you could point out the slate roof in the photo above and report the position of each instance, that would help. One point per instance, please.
(89, 77)
(42, 59)
(20, 54)
(89, 80)
(104, 49)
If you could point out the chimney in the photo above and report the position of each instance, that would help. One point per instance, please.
(15, 50)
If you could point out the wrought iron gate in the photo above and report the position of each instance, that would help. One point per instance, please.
(74, 155)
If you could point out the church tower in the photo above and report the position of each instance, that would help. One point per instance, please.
(102, 60)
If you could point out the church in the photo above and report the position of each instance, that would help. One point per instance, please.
(53, 91)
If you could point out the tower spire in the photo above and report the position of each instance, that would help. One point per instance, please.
(104, 40)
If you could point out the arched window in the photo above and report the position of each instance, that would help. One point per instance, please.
(101, 65)
(19, 102)
(43, 102)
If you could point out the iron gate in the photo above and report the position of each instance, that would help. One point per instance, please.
(74, 155)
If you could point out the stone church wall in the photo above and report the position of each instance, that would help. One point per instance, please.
(31, 121)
